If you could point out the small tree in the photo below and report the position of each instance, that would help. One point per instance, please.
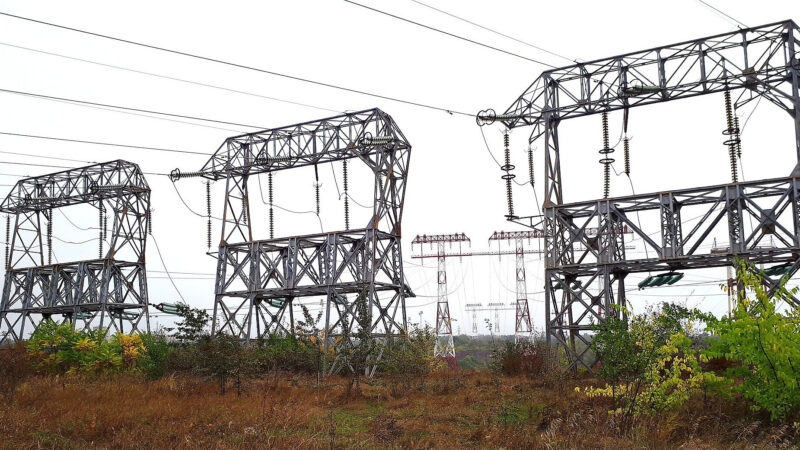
(193, 324)
(311, 339)
(223, 358)
(361, 356)
(766, 343)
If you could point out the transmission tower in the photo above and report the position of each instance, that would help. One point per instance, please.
(259, 280)
(582, 272)
(108, 292)
(444, 347)
(523, 330)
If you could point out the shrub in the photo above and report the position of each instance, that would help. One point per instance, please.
(58, 348)
(649, 364)
(411, 356)
(765, 342)
(524, 358)
(154, 363)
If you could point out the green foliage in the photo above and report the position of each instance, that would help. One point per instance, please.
(193, 324)
(58, 348)
(157, 353)
(358, 349)
(524, 358)
(649, 363)
(224, 358)
(765, 342)
(411, 356)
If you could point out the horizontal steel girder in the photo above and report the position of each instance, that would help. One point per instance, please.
(366, 135)
(760, 59)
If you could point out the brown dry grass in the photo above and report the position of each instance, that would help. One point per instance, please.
(475, 409)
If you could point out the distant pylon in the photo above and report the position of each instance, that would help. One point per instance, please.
(444, 330)
(474, 322)
(522, 327)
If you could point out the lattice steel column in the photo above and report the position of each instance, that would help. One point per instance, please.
(444, 330)
(522, 324)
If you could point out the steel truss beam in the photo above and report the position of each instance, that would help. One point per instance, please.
(764, 61)
(258, 282)
(107, 293)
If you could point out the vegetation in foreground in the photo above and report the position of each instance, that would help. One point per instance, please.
(671, 377)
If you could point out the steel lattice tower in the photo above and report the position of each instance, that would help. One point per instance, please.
(258, 281)
(522, 323)
(109, 292)
(583, 272)
(444, 347)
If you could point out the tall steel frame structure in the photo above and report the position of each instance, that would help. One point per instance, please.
(764, 61)
(523, 330)
(109, 292)
(444, 347)
(257, 281)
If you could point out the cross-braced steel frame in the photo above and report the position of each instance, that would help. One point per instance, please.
(764, 61)
(109, 292)
(258, 281)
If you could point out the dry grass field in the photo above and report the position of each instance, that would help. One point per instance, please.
(451, 410)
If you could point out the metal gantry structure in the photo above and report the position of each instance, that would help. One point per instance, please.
(444, 347)
(523, 330)
(109, 292)
(760, 62)
(257, 281)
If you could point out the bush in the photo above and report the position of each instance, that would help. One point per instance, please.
(411, 356)
(157, 353)
(58, 348)
(765, 342)
(649, 364)
(524, 358)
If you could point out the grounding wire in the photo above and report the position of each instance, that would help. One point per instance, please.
(167, 77)
(493, 31)
(237, 65)
(450, 34)
(736, 22)
(110, 144)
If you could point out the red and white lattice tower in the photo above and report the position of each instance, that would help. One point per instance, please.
(444, 347)
(523, 330)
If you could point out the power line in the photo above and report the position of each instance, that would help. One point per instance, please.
(167, 77)
(237, 65)
(53, 166)
(110, 144)
(723, 13)
(127, 108)
(493, 31)
(451, 35)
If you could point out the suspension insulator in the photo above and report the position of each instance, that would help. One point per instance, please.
(606, 160)
(50, 236)
(732, 133)
(508, 177)
(100, 232)
(8, 239)
(176, 175)
(738, 137)
(271, 214)
(346, 196)
(208, 215)
(316, 186)
(530, 165)
(627, 149)
(149, 217)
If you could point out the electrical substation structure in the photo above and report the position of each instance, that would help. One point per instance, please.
(109, 292)
(444, 347)
(258, 281)
(581, 271)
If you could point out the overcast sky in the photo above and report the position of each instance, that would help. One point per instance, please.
(453, 186)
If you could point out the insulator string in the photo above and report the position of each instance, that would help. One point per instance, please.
(8, 238)
(732, 133)
(346, 196)
(627, 150)
(530, 165)
(606, 160)
(316, 187)
(508, 177)
(208, 215)
(100, 231)
(271, 212)
(50, 236)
